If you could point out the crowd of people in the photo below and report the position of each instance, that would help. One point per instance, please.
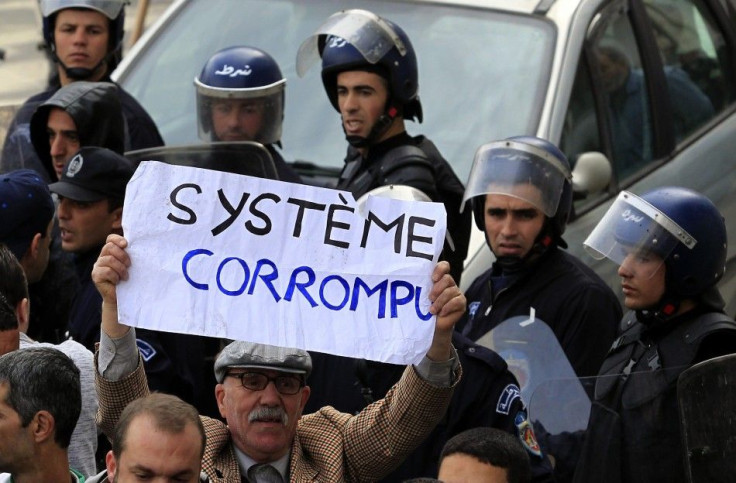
(88, 398)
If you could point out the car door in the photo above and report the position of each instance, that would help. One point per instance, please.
(655, 92)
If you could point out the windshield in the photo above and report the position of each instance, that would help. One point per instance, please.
(482, 74)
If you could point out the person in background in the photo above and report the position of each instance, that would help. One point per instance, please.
(158, 437)
(374, 84)
(240, 97)
(484, 455)
(14, 300)
(85, 39)
(40, 400)
(521, 194)
(670, 245)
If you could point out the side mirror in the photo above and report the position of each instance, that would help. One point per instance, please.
(592, 173)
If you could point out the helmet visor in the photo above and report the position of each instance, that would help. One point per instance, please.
(364, 30)
(240, 117)
(635, 233)
(519, 170)
(109, 8)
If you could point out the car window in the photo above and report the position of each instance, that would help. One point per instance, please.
(483, 74)
(693, 51)
(610, 96)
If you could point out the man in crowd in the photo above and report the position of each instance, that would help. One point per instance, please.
(262, 391)
(158, 437)
(240, 97)
(521, 194)
(374, 86)
(40, 400)
(86, 38)
(484, 454)
(26, 219)
(670, 245)
(79, 114)
(14, 294)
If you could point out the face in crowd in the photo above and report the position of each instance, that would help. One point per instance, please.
(156, 455)
(262, 421)
(512, 224)
(642, 279)
(362, 98)
(63, 138)
(81, 39)
(85, 225)
(237, 119)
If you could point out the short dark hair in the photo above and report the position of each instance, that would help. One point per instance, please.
(494, 447)
(13, 287)
(169, 414)
(43, 379)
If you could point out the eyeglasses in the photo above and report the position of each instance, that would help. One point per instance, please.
(257, 381)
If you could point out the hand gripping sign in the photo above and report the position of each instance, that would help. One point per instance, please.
(238, 257)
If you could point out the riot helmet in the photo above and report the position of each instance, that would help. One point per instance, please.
(112, 9)
(361, 40)
(525, 167)
(680, 226)
(241, 78)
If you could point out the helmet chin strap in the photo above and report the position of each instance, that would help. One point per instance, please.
(81, 73)
(379, 128)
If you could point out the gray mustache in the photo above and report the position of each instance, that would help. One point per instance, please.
(265, 413)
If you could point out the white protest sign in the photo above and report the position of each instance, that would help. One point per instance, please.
(246, 258)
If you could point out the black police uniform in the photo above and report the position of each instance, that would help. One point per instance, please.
(567, 295)
(285, 172)
(415, 162)
(634, 428)
(140, 132)
(487, 395)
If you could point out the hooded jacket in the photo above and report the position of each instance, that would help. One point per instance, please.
(97, 113)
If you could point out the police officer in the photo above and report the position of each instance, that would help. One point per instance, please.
(85, 38)
(670, 245)
(240, 97)
(369, 71)
(521, 194)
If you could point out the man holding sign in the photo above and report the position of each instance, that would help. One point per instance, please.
(265, 430)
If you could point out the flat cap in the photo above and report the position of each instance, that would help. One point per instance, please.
(261, 356)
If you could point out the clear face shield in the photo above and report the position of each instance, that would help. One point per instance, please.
(636, 234)
(247, 114)
(519, 170)
(371, 35)
(109, 8)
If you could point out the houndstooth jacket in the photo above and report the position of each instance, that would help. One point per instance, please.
(329, 446)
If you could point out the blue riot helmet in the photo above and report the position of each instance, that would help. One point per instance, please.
(112, 9)
(525, 167)
(241, 81)
(680, 226)
(361, 40)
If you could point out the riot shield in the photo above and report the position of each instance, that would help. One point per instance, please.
(707, 398)
(244, 157)
(534, 356)
(557, 400)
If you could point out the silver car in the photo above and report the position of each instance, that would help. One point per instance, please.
(489, 69)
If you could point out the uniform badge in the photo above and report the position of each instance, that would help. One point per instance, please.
(526, 433)
(473, 308)
(147, 351)
(509, 394)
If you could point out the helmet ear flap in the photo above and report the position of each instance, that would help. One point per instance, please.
(478, 204)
